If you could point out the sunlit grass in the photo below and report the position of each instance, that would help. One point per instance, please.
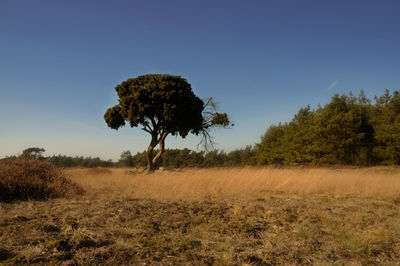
(241, 182)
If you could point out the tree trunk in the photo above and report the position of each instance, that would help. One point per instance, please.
(152, 160)
(162, 148)
(150, 149)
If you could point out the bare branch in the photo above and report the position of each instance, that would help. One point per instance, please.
(210, 104)
(211, 119)
(206, 141)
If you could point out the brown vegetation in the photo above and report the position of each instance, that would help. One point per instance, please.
(26, 179)
(211, 217)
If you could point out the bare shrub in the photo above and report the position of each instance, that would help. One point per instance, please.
(25, 179)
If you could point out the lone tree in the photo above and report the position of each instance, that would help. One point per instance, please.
(163, 104)
(33, 153)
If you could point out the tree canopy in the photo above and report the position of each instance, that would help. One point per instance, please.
(162, 104)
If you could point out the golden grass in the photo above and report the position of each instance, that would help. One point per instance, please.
(244, 216)
(241, 182)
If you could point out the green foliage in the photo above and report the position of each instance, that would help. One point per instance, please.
(126, 159)
(386, 122)
(214, 159)
(219, 119)
(270, 151)
(158, 103)
(347, 130)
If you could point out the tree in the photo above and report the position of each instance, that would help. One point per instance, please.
(163, 105)
(344, 126)
(126, 159)
(33, 153)
(272, 149)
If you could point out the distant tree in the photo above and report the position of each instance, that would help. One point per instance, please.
(163, 105)
(68, 161)
(140, 159)
(8, 158)
(33, 153)
(233, 158)
(214, 158)
(272, 148)
(126, 159)
(248, 156)
(344, 127)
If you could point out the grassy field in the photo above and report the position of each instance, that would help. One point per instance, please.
(245, 216)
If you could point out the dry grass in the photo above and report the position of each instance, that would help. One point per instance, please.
(211, 217)
(242, 182)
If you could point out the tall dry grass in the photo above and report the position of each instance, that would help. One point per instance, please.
(240, 182)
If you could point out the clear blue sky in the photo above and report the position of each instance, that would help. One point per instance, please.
(261, 60)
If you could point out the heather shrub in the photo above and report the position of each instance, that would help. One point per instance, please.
(26, 179)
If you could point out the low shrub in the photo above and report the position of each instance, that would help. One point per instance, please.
(25, 179)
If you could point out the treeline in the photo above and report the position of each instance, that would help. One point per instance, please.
(172, 158)
(64, 161)
(184, 158)
(348, 130)
(79, 161)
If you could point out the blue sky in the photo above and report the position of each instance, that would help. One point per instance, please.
(261, 60)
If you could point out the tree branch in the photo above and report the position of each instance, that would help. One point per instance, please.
(155, 124)
(206, 140)
(147, 130)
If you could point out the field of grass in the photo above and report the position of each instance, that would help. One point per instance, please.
(245, 216)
